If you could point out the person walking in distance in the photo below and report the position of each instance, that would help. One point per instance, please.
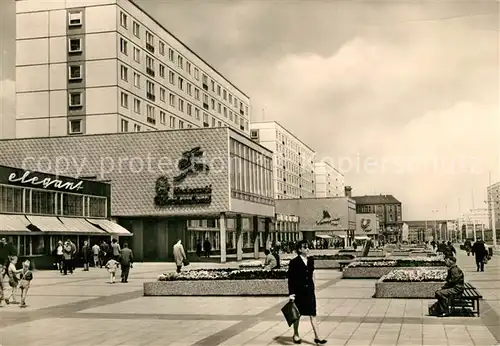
(86, 254)
(26, 276)
(116, 250)
(13, 280)
(112, 266)
(60, 256)
(179, 255)
(68, 257)
(302, 291)
(207, 247)
(198, 248)
(104, 253)
(126, 261)
(95, 251)
(480, 252)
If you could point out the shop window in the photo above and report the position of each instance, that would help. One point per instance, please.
(97, 207)
(39, 245)
(43, 202)
(11, 199)
(72, 205)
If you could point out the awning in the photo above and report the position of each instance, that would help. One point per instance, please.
(81, 226)
(323, 236)
(363, 237)
(14, 223)
(110, 227)
(49, 224)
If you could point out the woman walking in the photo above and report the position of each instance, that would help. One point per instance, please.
(301, 290)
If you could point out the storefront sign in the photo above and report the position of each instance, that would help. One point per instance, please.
(366, 224)
(29, 178)
(328, 220)
(189, 164)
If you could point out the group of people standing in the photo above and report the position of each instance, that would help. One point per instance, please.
(12, 277)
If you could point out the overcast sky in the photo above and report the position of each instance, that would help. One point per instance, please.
(402, 96)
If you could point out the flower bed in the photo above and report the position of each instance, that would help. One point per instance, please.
(220, 282)
(368, 268)
(411, 283)
(260, 264)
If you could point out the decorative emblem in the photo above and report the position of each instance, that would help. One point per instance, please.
(327, 219)
(190, 164)
(365, 223)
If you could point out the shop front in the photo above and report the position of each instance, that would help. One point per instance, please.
(322, 220)
(38, 209)
(197, 185)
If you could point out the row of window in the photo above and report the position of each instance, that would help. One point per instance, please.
(32, 201)
(301, 182)
(293, 145)
(180, 62)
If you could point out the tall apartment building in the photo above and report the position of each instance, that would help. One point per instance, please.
(293, 171)
(106, 66)
(330, 182)
(494, 203)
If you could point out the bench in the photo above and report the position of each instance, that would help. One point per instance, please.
(469, 300)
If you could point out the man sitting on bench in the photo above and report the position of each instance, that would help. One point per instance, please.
(454, 287)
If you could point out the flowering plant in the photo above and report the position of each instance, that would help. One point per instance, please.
(415, 275)
(225, 274)
(251, 264)
(435, 261)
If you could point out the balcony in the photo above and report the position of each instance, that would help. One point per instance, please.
(151, 97)
(151, 120)
(150, 47)
(150, 71)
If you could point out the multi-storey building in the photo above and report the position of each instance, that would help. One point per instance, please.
(494, 204)
(106, 66)
(293, 171)
(329, 181)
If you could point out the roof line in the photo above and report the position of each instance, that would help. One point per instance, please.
(331, 166)
(185, 46)
(290, 132)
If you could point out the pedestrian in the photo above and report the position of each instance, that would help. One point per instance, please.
(112, 265)
(207, 247)
(6, 251)
(126, 262)
(198, 248)
(13, 281)
(270, 261)
(86, 254)
(59, 252)
(116, 250)
(104, 253)
(451, 249)
(480, 252)
(68, 257)
(454, 286)
(95, 251)
(179, 255)
(25, 276)
(301, 290)
(468, 247)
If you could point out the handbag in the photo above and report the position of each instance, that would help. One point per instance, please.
(291, 312)
(185, 262)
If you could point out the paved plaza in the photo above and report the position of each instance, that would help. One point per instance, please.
(84, 309)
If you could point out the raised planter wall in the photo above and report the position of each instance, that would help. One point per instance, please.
(372, 272)
(217, 288)
(371, 254)
(329, 264)
(420, 290)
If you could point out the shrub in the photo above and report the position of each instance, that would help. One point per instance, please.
(415, 275)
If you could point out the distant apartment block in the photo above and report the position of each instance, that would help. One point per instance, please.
(329, 181)
(293, 160)
(494, 203)
(107, 66)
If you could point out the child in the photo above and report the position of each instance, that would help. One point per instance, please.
(112, 265)
(26, 276)
(13, 280)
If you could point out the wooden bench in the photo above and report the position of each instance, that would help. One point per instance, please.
(469, 300)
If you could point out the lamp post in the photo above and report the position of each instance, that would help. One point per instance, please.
(434, 232)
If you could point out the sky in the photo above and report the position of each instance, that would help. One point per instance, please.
(401, 96)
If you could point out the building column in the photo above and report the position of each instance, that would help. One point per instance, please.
(267, 227)
(239, 238)
(256, 236)
(222, 229)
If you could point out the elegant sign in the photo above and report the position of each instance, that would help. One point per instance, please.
(189, 164)
(29, 178)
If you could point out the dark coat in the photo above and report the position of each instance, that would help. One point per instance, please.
(127, 257)
(301, 284)
(455, 279)
(479, 249)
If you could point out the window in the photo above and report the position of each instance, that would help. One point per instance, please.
(180, 61)
(218, 90)
(196, 73)
(225, 112)
(197, 94)
(150, 114)
(213, 85)
(162, 48)
(171, 77)
(75, 72)
(137, 128)
(162, 94)
(172, 100)
(181, 124)
(163, 117)
(181, 83)
(72, 205)
(150, 39)
(205, 118)
(75, 19)
(230, 98)
(171, 55)
(75, 45)
(43, 202)
(123, 125)
(162, 71)
(219, 124)
(213, 103)
(123, 20)
(137, 55)
(97, 206)
(190, 89)
(231, 115)
(137, 106)
(197, 113)
(224, 95)
(188, 67)
(190, 126)
(213, 122)
(75, 99)
(172, 122)
(246, 110)
(205, 99)
(137, 80)
(124, 99)
(123, 46)
(181, 105)
(219, 108)
(150, 62)
(75, 126)
(136, 29)
(190, 109)
(205, 79)
(150, 90)
(124, 73)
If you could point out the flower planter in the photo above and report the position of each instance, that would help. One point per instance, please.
(328, 264)
(420, 290)
(365, 272)
(278, 287)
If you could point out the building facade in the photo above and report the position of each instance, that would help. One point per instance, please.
(388, 210)
(38, 209)
(107, 66)
(164, 182)
(329, 181)
(293, 160)
(493, 192)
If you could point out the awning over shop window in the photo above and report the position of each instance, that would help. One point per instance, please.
(81, 226)
(323, 236)
(110, 227)
(14, 224)
(364, 237)
(49, 224)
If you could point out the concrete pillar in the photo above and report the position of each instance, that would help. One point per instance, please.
(256, 236)
(239, 238)
(267, 227)
(222, 229)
